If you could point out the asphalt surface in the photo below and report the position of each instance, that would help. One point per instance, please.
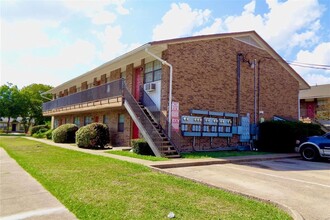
(303, 187)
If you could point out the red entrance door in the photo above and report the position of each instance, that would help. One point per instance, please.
(136, 93)
(137, 83)
(311, 110)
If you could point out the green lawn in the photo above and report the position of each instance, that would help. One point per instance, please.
(219, 154)
(96, 187)
(134, 155)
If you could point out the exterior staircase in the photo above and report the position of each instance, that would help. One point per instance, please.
(167, 148)
(148, 127)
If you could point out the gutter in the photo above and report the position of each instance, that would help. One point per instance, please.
(164, 62)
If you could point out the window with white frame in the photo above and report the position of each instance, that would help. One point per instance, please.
(153, 71)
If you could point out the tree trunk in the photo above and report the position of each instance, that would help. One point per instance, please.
(8, 123)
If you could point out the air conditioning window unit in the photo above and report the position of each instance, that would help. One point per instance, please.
(149, 87)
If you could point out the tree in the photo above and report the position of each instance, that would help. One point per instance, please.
(12, 103)
(34, 100)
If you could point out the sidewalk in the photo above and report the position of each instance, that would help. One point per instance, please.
(173, 163)
(22, 197)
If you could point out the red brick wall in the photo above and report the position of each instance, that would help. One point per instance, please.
(205, 77)
(114, 75)
(117, 138)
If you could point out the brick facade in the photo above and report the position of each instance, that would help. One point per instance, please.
(204, 77)
(116, 138)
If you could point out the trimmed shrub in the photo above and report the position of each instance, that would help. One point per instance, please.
(39, 135)
(65, 133)
(49, 134)
(35, 129)
(281, 136)
(95, 135)
(140, 146)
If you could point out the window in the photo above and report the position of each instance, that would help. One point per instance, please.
(153, 71)
(87, 120)
(105, 119)
(56, 123)
(121, 121)
(76, 121)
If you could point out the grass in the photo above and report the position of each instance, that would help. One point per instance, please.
(219, 154)
(134, 155)
(96, 187)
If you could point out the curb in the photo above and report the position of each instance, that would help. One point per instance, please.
(221, 161)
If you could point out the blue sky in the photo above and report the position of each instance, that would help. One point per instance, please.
(53, 41)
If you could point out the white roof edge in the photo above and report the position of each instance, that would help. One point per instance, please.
(138, 49)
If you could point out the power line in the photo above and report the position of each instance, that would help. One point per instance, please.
(310, 66)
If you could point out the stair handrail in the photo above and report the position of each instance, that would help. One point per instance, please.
(176, 139)
(143, 118)
(150, 105)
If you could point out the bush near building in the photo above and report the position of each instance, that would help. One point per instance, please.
(38, 129)
(65, 133)
(95, 135)
(281, 136)
(140, 146)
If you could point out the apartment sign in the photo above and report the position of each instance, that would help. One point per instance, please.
(175, 116)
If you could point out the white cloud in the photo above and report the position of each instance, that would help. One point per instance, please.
(179, 21)
(320, 56)
(216, 27)
(111, 42)
(103, 17)
(286, 25)
(27, 34)
(97, 11)
(49, 69)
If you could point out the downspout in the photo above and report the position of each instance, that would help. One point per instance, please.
(299, 106)
(170, 90)
(255, 91)
(238, 106)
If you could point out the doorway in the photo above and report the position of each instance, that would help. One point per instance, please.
(136, 94)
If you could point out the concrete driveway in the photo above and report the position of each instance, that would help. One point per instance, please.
(302, 186)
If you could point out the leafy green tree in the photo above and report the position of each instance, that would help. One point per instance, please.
(34, 99)
(12, 103)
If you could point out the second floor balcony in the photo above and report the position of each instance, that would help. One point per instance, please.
(108, 95)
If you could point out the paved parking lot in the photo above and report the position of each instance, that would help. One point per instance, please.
(302, 186)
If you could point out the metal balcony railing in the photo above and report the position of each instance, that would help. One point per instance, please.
(109, 90)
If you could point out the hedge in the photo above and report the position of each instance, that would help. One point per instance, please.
(140, 146)
(65, 133)
(37, 128)
(95, 135)
(281, 136)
